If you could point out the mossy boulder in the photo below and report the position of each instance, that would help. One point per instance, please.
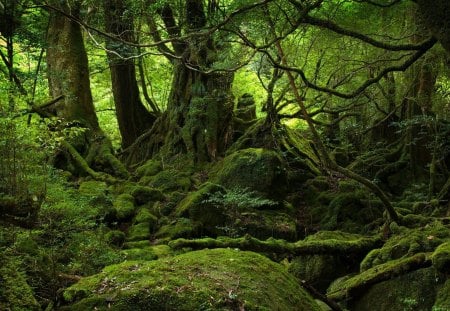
(319, 270)
(219, 279)
(145, 216)
(179, 228)
(442, 302)
(407, 242)
(441, 258)
(149, 168)
(93, 188)
(255, 169)
(15, 293)
(124, 206)
(143, 195)
(197, 207)
(139, 232)
(144, 253)
(115, 237)
(414, 291)
(169, 180)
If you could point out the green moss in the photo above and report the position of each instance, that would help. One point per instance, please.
(143, 195)
(169, 180)
(136, 244)
(220, 279)
(441, 258)
(139, 232)
(124, 206)
(149, 168)
(414, 291)
(145, 253)
(258, 170)
(93, 188)
(145, 216)
(196, 207)
(407, 243)
(179, 228)
(443, 298)
(15, 293)
(358, 284)
(115, 237)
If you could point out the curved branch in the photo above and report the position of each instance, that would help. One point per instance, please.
(430, 43)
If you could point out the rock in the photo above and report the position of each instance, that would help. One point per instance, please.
(124, 206)
(413, 291)
(168, 181)
(256, 169)
(143, 195)
(149, 168)
(219, 279)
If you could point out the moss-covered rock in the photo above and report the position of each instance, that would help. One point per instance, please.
(414, 291)
(124, 206)
(179, 228)
(139, 232)
(143, 195)
(115, 237)
(407, 242)
(144, 253)
(15, 293)
(169, 180)
(442, 302)
(145, 216)
(220, 279)
(93, 188)
(441, 258)
(255, 169)
(197, 207)
(149, 168)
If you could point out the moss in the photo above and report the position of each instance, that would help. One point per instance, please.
(169, 180)
(143, 195)
(414, 291)
(145, 253)
(258, 170)
(144, 216)
(407, 243)
(139, 232)
(93, 188)
(149, 168)
(124, 206)
(442, 302)
(220, 279)
(179, 228)
(441, 258)
(115, 237)
(15, 293)
(196, 207)
(136, 244)
(355, 286)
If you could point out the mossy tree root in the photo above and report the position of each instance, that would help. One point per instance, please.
(358, 285)
(279, 249)
(83, 165)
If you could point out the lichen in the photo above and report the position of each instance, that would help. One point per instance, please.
(220, 279)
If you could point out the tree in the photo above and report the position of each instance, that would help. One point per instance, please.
(68, 75)
(133, 118)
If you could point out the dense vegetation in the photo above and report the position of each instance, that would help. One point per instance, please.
(224, 155)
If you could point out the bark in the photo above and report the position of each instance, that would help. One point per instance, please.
(436, 15)
(198, 120)
(68, 72)
(133, 118)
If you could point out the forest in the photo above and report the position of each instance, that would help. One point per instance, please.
(225, 155)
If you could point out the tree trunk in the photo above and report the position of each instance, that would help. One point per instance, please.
(68, 72)
(199, 115)
(133, 118)
(68, 75)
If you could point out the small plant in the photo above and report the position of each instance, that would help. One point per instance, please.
(234, 202)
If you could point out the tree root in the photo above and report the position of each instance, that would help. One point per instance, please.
(358, 285)
(83, 165)
(279, 249)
